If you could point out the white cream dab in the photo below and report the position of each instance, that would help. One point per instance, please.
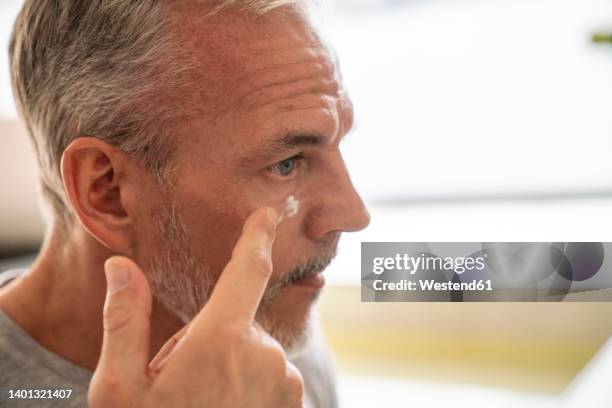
(292, 205)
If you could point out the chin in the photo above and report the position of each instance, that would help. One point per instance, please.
(289, 319)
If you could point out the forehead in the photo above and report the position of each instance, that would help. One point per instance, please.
(223, 43)
(259, 65)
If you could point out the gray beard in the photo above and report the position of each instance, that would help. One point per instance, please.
(180, 283)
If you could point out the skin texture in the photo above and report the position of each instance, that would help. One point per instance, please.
(241, 366)
(259, 102)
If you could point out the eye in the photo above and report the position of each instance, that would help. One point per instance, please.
(286, 167)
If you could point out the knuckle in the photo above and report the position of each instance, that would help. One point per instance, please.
(294, 386)
(95, 398)
(267, 227)
(276, 351)
(275, 360)
(234, 337)
(110, 384)
(295, 382)
(116, 317)
(259, 260)
(104, 390)
(268, 343)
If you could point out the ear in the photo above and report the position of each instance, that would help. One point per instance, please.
(97, 185)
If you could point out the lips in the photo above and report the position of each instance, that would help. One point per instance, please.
(315, 280)
(310, 273)
(311, 277)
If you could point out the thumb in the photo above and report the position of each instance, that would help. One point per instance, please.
(127, 313)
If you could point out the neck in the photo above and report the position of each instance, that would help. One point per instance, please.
(60, 301)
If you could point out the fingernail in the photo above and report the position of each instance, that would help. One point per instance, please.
(163, 354)
(117, 276)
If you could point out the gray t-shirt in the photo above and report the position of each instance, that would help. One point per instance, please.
(29, 370)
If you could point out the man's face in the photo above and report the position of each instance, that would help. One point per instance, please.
(271, 115)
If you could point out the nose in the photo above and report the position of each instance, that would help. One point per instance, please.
(340, 207)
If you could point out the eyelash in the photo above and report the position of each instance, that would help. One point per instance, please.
(296, 160)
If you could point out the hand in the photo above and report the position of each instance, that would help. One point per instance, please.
(223, 359)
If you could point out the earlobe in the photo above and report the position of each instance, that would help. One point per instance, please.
(93, 176)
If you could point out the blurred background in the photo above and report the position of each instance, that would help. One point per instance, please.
(477, 120)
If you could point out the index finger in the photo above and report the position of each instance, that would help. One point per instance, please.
(240, 287)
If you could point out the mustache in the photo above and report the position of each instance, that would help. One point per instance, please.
(305, 270)
(311, 267)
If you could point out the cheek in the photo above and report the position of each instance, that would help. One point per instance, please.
(291, 247)
(214, 221)
(260, 195)
(212, 232)
(146, 233)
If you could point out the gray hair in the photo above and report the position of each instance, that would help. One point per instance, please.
(110, 69)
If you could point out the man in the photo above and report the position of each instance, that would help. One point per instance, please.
(200, 141)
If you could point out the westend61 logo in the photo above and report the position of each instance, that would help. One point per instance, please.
(486, 271)
(428, 262)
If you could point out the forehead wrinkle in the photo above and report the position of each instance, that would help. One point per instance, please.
(265, 63)
(288, 56)
(331, 114)
(279, 75)
(316, 78)
(287, 94)
(222, 47)
(275, 77)
(236, 56)
(240, 59)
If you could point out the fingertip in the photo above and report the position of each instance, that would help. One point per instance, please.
(117, 274)
(264, 219)
(119, 260)
(126, 317)
(122, 272)
(273, 218)
(116, 261)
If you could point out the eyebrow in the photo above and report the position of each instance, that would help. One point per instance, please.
(278, 145)
(291, 140)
